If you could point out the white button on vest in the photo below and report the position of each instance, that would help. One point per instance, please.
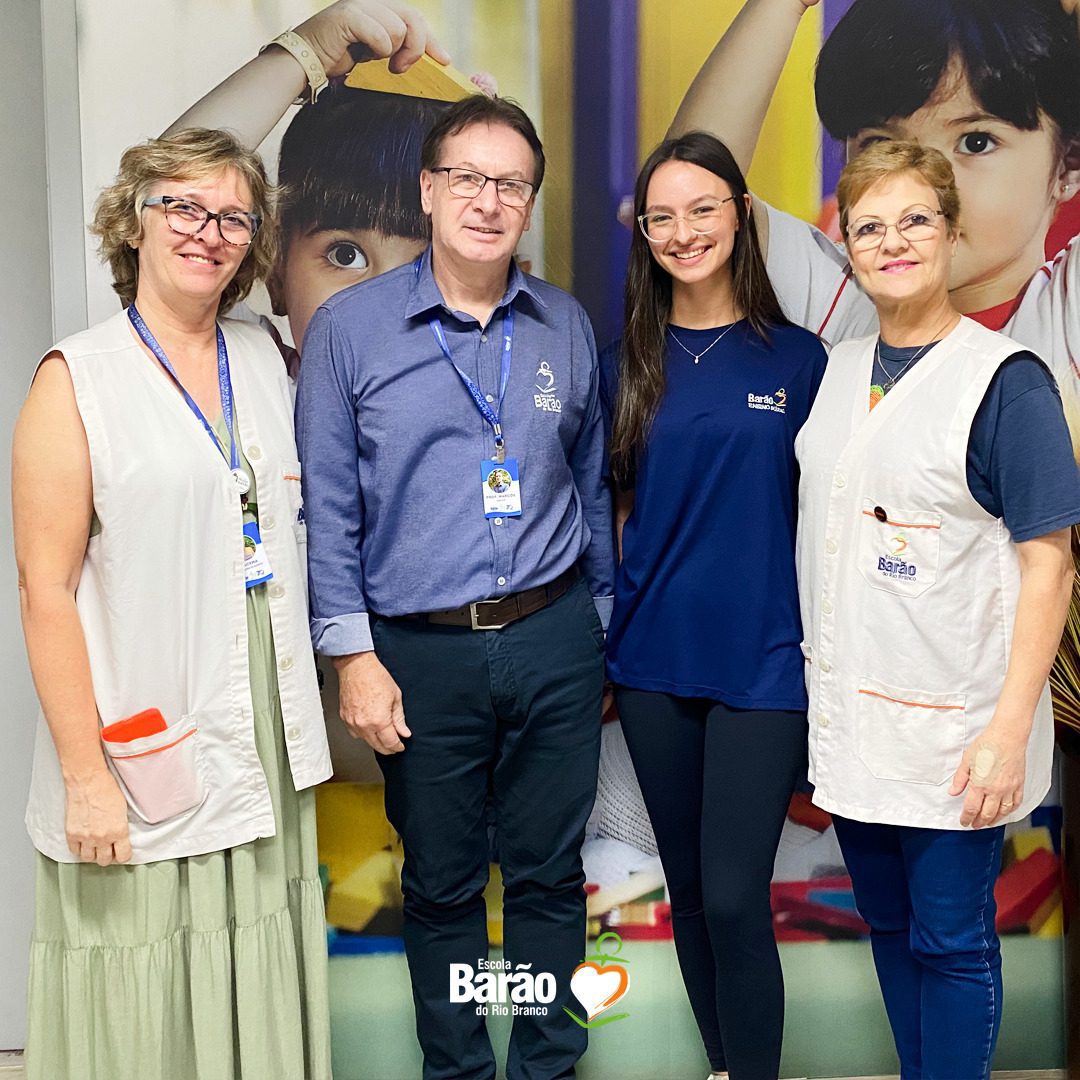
(839, 480)
(277, 590)
(483, 338)
(285, 663)
(292, 733)
(501, 581)
(498, 521)
(826, 606)
(268, 523)
(826, 666)
(831, 547)
(254, 453)
(489, 398)
(823, 720)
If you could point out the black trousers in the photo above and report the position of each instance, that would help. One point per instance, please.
(716, 783)
(509, 716)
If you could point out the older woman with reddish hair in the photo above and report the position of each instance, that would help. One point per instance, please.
(937, 492)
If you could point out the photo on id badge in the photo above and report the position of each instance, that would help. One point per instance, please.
(501, 488)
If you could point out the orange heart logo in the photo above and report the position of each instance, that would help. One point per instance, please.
(598, 987)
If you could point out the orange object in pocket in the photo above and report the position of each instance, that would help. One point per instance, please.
(147, 722)
(157, 764)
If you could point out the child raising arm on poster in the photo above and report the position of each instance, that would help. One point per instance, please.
(349, 163)
(993, 86)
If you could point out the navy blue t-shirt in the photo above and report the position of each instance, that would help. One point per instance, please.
(1020, 464)
(706, 603)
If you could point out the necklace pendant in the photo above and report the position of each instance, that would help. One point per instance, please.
(696, 359)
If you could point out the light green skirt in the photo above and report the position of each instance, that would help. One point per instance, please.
(206, 968)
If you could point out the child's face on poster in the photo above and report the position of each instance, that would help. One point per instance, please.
(318, 263)
(1010, 183)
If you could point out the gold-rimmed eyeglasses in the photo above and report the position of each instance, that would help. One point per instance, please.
(915, 225)
(703, 219)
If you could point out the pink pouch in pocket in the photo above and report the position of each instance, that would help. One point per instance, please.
(156, 764)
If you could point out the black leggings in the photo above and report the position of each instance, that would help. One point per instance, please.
(717, 782)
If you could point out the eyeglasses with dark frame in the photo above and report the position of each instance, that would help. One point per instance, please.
(703, 219)
(918, 224)
(189, 218)
(468, 184)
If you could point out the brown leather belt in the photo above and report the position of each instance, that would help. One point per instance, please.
(495, 614)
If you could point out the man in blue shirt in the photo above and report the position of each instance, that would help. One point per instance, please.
(460, 557)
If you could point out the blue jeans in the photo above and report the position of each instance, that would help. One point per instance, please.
(507, 720)
(928, 895)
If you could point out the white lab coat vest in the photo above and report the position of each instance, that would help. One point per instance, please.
(908, 587)
(161, 596)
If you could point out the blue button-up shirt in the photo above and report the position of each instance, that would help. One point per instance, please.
(391, 445)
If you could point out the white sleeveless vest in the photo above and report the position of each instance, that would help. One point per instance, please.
(908, 587)
(161, 594)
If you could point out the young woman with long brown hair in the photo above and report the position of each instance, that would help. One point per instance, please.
(706, 393)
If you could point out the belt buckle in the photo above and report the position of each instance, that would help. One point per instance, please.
(473, 616)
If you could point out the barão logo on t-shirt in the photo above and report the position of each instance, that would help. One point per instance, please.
(774, 402)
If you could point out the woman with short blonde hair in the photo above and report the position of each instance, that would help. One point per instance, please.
(179, 927)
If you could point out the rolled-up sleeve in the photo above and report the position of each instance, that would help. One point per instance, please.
(327, 438)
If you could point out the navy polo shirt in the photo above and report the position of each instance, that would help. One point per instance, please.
(706, 603)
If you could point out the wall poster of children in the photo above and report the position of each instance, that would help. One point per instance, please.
(993, 86)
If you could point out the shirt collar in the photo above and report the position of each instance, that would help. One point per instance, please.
(424, 295)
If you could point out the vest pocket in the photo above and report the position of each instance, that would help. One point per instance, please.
(290, 475)
(899, 549)
(909, 735)
(159, 772)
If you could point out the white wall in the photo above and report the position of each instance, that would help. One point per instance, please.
(26, 322)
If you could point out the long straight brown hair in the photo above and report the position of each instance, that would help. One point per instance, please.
(648, 297)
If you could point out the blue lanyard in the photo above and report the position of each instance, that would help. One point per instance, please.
(486, 411)
(224, 385)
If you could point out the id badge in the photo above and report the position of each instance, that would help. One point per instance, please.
(502, 492)
(256, 564)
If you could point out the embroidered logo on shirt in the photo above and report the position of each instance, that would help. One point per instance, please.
(774, 402)
(546, 399)
(893, 565)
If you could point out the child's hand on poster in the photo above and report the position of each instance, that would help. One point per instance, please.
(391, 29)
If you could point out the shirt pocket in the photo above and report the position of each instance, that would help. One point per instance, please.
(909, 735)
(899, 549)
(290, 477)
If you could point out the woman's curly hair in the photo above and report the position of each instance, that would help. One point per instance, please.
(192, 154)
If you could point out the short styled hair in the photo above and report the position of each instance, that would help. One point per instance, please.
(191, 154)
(481, 109)
(881, 160)
(886, 58)
(350, 161)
